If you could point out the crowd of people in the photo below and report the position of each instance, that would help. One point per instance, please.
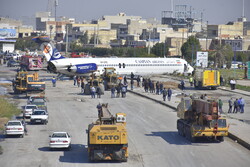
(236, 105)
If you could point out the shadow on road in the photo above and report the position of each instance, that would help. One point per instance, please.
(175, 138)
(77, 154)
(171, 137)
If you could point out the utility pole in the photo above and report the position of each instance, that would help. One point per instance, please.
(207, 36)
(67, 39)
(56, 4)
(192, 54)
(149, 39)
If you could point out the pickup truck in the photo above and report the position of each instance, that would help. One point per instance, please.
(39, 116)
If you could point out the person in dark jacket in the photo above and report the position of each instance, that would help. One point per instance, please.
(113, 92)
(169, 94)
(164, 94)
(98, 92)
(54, 81)
(230, 105)
(236, 106)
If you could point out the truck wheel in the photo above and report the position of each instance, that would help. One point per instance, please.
(87, 89)
(125, 160)
(220, 138)
(213, 88)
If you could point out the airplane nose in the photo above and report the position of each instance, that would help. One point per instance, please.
(51, 67)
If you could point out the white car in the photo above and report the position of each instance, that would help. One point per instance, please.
(14, 127)
(60, 140)
(39, 116)
(28, 109)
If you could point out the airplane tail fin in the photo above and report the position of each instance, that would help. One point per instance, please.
(49, 50)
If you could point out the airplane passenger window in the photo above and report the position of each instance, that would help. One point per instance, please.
(120, 66)
(123, 65)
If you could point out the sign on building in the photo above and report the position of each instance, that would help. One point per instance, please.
(202, 59)
(7, 33)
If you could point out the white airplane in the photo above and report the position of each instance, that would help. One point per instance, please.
(124, 66)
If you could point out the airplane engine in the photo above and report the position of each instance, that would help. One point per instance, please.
(82, 68)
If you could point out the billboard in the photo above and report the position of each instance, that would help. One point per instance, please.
(7, 33)
(202, 59)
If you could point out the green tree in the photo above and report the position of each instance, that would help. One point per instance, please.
(75, 47)
(158, 49)
(221, 55)
(93, 38)
(84, 38)
(189, 48)
(26, 43)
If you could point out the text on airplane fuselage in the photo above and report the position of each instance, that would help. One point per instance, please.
(148, 61)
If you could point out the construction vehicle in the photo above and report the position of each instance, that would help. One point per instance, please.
(110, 78)
(200, 118)
(28, 62)
(204, 78)
(107, 137)
(28, 83)
(95, 81)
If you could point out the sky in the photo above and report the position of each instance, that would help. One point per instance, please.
(214, 11)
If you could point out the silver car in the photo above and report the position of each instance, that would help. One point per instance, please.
(28, 109)
(14, 127)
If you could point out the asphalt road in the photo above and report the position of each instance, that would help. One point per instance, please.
(153, 137)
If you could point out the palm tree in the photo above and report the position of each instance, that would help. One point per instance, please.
(222, 54)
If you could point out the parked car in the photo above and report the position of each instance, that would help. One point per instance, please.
(39, 116)
(14, 127)
(40, 103)
(28, 109)
(32, 97)
(13, 63)
(60, 140)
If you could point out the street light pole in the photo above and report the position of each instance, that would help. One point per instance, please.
(149, 39)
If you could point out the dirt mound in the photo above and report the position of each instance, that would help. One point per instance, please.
(170, 84)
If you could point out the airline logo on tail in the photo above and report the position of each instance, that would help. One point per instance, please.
(50, 52)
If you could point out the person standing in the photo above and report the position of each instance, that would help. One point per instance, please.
(221, 80)
(191, 80)
(132, 83)
(74, 78)
(98, 92)
(157, 85)
(138, 81)
(164, 94)
(25, 127)
(161, 87)
(182, 85)
(99, 109)
(124, 91)
(141, 81)
(78, 81)
(112, 92)
(242, 105)
(93, 90)
(220, 103)
(118, 91)
(230, 103)
(232, 84)
(54, 81)
(169, 94)
(82, 87)
(236, 106)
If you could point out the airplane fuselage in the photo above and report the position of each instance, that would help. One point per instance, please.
(124, 66)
